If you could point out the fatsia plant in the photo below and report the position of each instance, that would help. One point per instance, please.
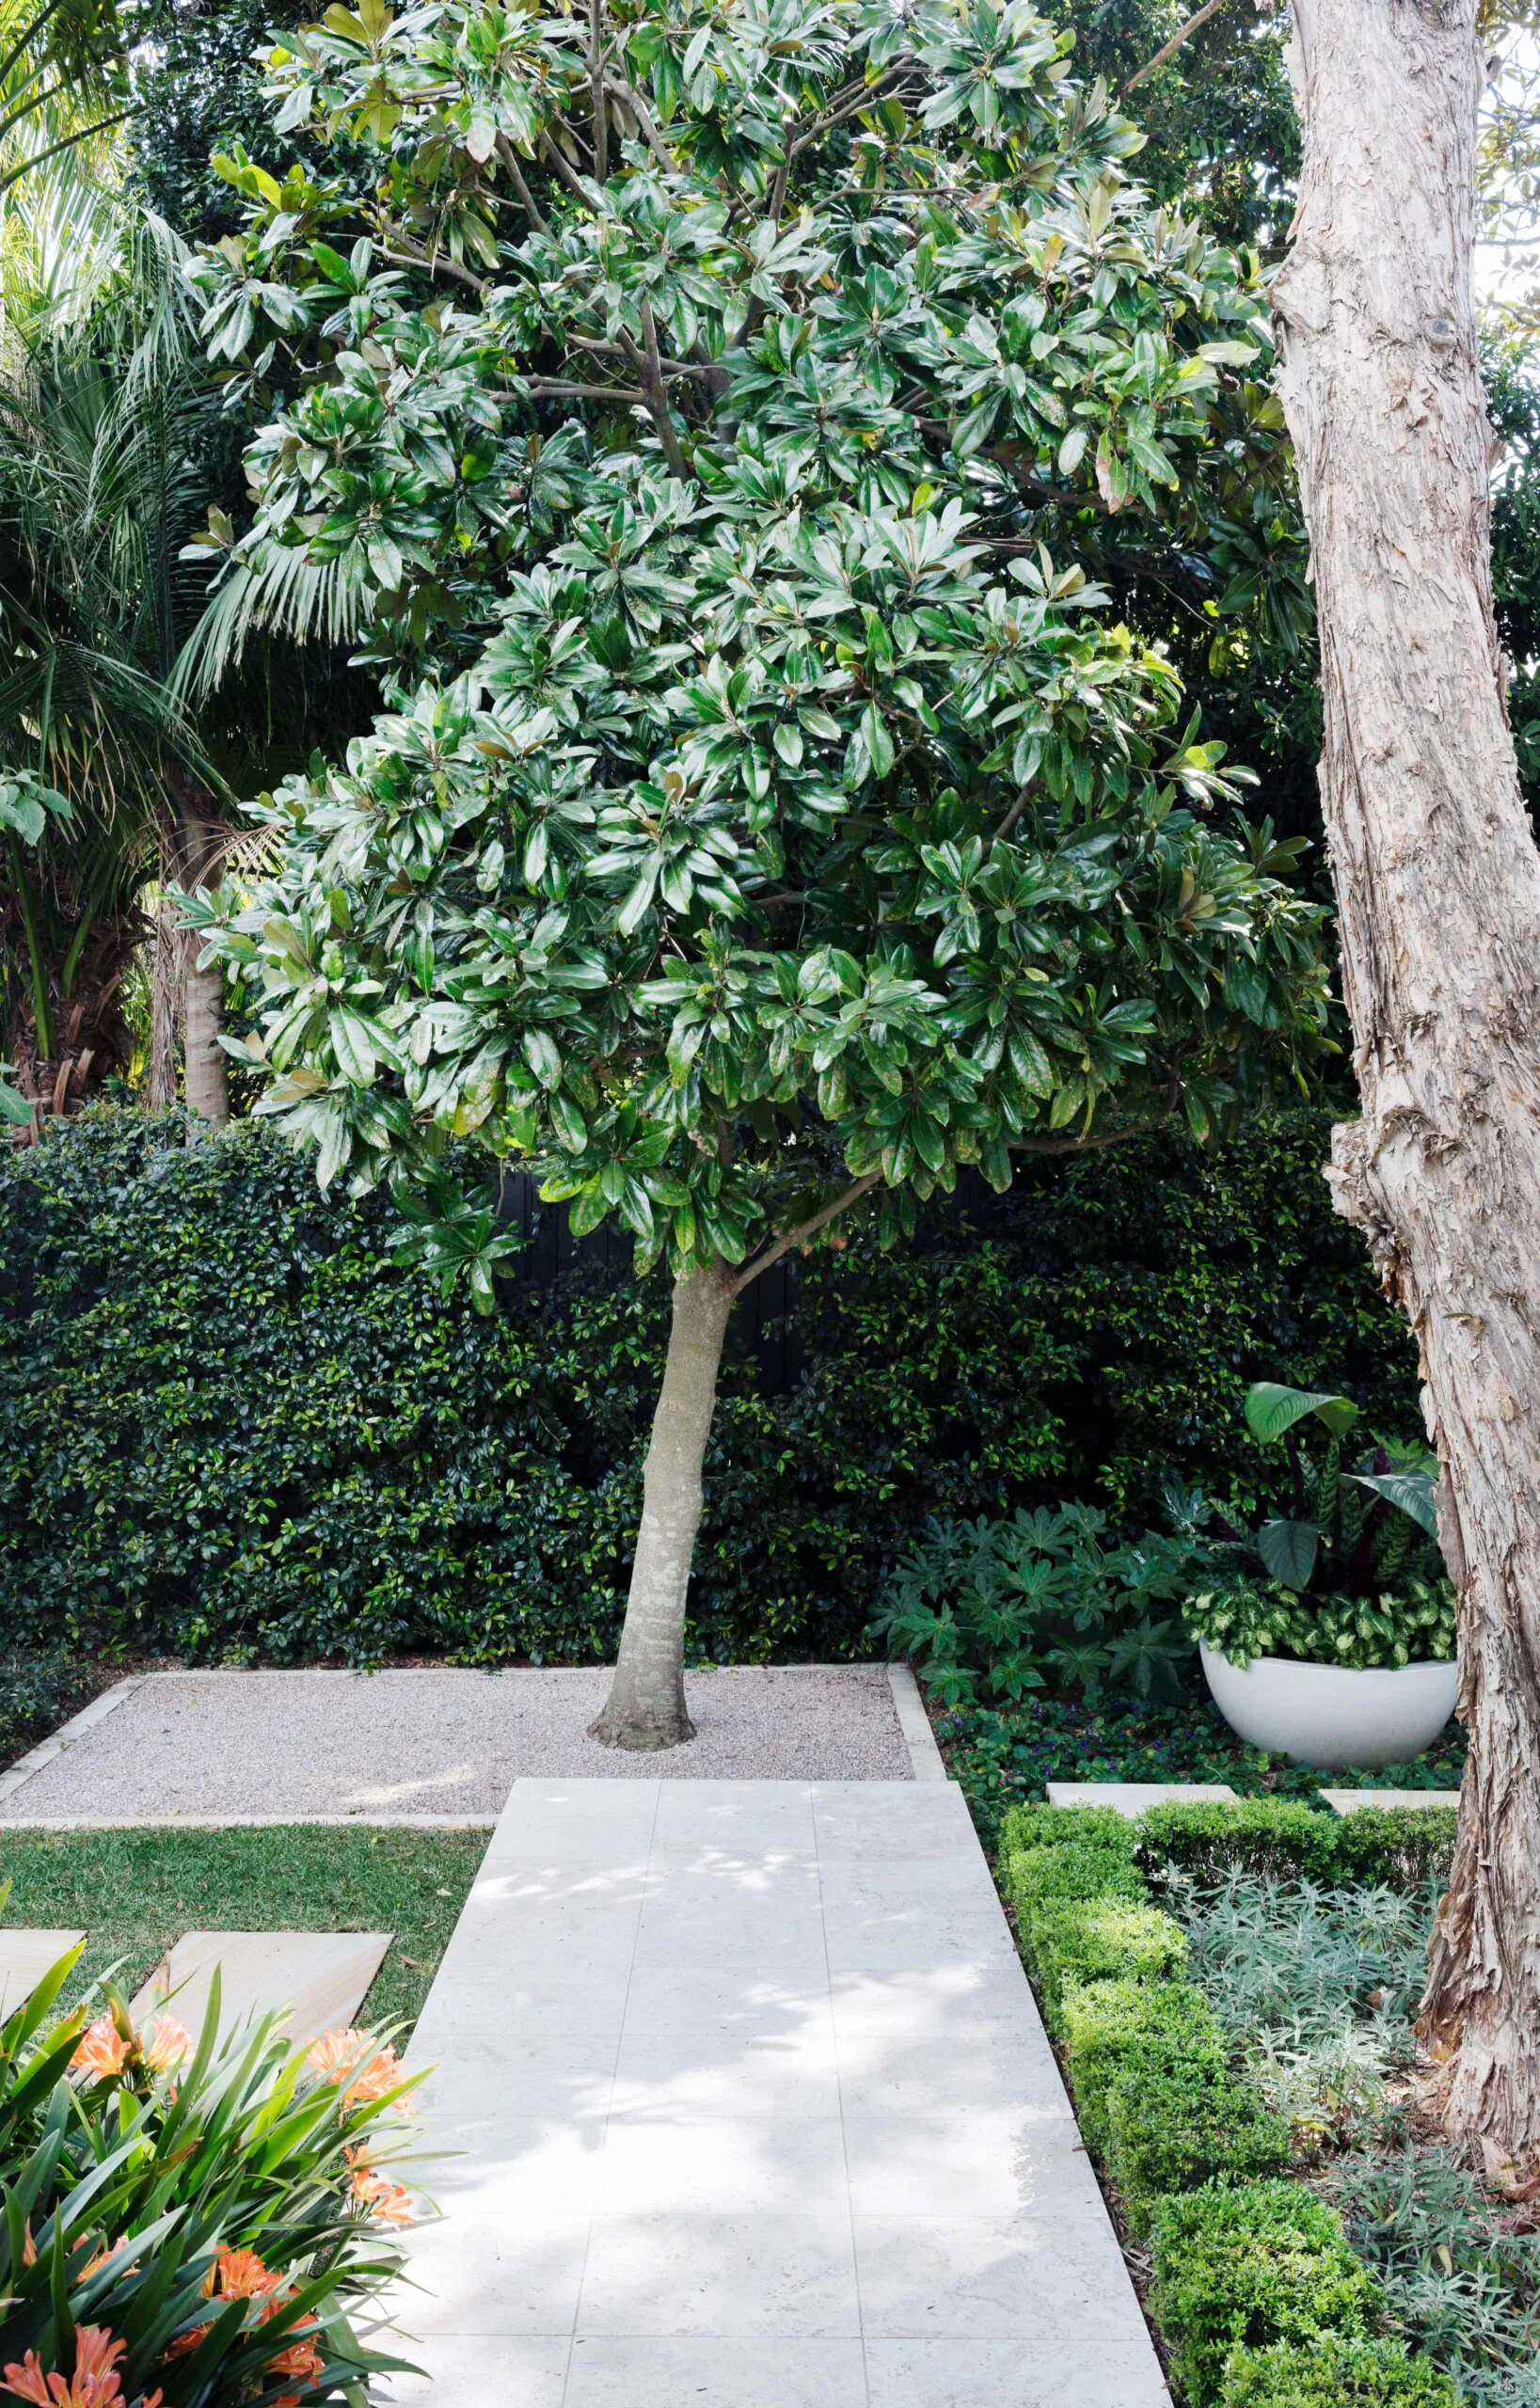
(993, 1609)
(762, 820)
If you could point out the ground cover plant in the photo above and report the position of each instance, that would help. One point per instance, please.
(134, 1892)
(187, 2222)
(359, 1468)
(1238, 2055)
(761, 820)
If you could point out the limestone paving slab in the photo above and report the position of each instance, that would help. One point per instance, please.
(1133, 1798)
(751, 2105)
(322, 1977)
(25, 1958)
(1349, 1801)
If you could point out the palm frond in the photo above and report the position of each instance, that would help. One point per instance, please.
(278, 592)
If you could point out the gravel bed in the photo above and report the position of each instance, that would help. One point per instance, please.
(442, 1742)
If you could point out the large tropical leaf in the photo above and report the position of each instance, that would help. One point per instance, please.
(1271, 1409)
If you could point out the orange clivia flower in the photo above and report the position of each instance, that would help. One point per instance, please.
(95, 2383)
(239, 2274)
(171, 2044)
(301, 2359)
(336, 2054)
(374, 2071)
(390, 2202)
(185, 2342)
(103, 2050)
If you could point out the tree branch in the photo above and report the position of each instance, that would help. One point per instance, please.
(595, 89)
(435, 264)
(567, 172)
(804, 1230)
(1167, 47)
(1080, 1145)
(531, 207)
(656, 393)
(651, 132)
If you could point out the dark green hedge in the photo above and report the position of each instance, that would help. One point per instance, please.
(229, 1423)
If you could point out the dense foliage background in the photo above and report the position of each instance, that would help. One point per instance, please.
(230, 1423)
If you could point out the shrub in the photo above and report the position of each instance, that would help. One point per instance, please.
(1210, 1839)
(199, 2219)
(1176, 2119)
(987, 1611)
(1104, 2024)
(1073, 1941)
(38, 1692)
(1335, 2372)
(1262, 2264)
(1407, 1846)
(1069, 1872)
(232, 1423)
(1028, 1827)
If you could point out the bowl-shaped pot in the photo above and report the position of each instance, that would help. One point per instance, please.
(1320, 1714)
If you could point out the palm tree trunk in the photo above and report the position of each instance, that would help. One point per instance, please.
(646, 1709)
(205, 1076)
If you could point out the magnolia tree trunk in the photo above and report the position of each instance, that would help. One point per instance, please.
(1438, 889)
(645, 1707)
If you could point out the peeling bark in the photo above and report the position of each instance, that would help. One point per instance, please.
(1438, 889)
(646, 1709)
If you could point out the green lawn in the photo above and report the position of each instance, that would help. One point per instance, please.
(136, 1892)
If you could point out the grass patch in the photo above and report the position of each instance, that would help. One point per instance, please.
(136, 1891)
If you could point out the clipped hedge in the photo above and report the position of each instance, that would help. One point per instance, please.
(1106, 2026)
(1335, 2372)
(1175, 2120)
(1070, 1941)
(230, 1424)
(1261, 2265)
(1403, 1845)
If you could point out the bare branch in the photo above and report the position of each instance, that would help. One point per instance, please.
(804, 1229)
(655, 390)
(1167, 47)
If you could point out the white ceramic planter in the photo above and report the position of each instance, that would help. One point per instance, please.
(1319, 1714)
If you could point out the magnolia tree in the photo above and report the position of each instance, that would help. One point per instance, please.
(763, 819)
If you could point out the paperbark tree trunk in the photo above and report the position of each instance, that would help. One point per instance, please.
(645, 1707)
(1438, 891)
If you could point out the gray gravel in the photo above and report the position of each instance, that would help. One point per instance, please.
(436, 1742)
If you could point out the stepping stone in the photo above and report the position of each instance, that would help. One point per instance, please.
(25, 1958)
(1130, 1797)
(321, 1977)
(1347, 1801)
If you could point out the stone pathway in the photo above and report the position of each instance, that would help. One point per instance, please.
(756, 2111)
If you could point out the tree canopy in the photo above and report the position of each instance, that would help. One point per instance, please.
(762, 807)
